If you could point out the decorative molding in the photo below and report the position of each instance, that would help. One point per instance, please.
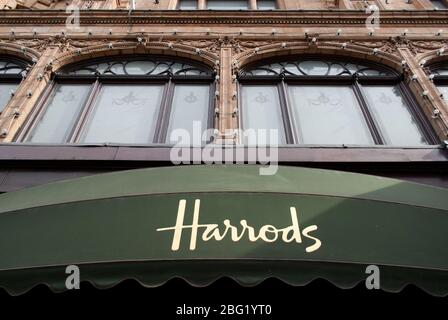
(387, 53)
(52, 4)
(20, 49)
(215, 45)
(169, 17)
(82, 50)
(63, 43)
(391, 46)
(210, 48)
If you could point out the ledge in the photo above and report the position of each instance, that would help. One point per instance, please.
(306, 17)
(157, 153)
(23, 166)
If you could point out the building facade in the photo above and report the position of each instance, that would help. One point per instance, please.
(405, 37)
(97, 86)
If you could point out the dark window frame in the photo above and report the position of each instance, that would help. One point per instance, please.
(438, 79)
(444, 3)
(276, 6)
(354, 81)
(97, 81)
(178, 6)
(247, 1)
(15, 78)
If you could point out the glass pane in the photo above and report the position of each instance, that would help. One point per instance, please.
(262, 111)
(441, 72)
(14, 70)
(188, 4)
(5, 93)
(314, 68)
(444, 91)
(84, 71)
(117, 68)
(227, 4)
(140, 67)
(292, 68)
(439, 4)
(60, 114)
(369, 72)
(102, 67)
(328, 115)
(337, 69)
(9, 67)
(124, 114)
(190, 104)
(392, 114)
(150, 67)
(266, 4)
(262, 72)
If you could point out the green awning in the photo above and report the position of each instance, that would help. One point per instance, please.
(204, 222)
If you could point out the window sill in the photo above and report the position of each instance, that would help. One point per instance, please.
(23, 166)
(14, 152)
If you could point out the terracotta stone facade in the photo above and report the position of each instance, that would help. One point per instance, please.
(408, 37)
(172, 4)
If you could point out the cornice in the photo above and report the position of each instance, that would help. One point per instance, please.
(294, 17)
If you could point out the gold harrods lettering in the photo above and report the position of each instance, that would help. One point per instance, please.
(267, 233)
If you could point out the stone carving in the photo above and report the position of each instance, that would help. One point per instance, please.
(210, 48)
(209, 45)
(241, 45)
(391, 45)
(215, 45)
(56, 4)
(63, 43)
(332, 4)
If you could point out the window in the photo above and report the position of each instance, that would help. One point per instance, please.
(123, 114)
(330, 102)
(439, 73)
(262, 103)
(328, 114)
(11, 73)
(188, 4)
(227, 5)
(128, 101)
(440, 4)
(266, 4)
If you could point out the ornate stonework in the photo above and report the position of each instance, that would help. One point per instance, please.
(59, 4)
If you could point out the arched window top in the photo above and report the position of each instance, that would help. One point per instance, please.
(439, 69)
(9, 66)
(139, 66)
(438, 73)
(305, 66)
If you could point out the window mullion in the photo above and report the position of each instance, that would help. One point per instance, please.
(373, 128)
(85, 111)
(211, 118)
(252, 4)
(291, 137)
(202, 4)
(240, 114)
(164, 113)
